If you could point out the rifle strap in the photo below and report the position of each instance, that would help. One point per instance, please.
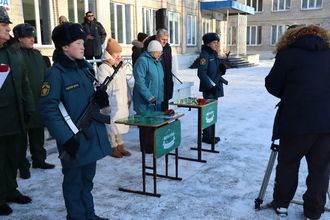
(67, 118)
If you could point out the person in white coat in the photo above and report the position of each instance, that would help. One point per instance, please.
(118, 97)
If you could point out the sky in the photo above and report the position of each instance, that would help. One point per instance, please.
(223, 188)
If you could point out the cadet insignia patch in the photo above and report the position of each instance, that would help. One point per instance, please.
(45, 89)
(202, 61)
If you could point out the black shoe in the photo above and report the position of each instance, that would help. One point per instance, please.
(42, 165)
(281, 211)
(95, 217)
(5, 209)
(20, 199)
(25, 173)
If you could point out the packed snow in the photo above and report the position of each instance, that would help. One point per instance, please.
(223, 188)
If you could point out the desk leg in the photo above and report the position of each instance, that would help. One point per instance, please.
(166, 164)
(154, 172)
(144, 169)
(144, 173)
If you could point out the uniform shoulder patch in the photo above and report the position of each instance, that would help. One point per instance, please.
(202, 61)
(45, 88)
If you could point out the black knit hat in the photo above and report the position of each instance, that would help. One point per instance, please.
(141, 36)
(24, 30)
(64, 34)
(209, 37)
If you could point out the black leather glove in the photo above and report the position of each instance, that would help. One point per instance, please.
(71, 146)
(101, 98)
(222, 69)
(213, 90)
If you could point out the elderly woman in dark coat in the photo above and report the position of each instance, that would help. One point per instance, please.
(300, 77)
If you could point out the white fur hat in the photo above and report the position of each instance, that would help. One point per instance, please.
(154, 46)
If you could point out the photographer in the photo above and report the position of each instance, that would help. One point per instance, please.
(300, 77)
(209, 70)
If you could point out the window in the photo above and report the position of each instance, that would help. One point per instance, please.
(253, 35)
(232, 34)
(281, 5)
(256, 4)
(77, 9)
(173, 28)
(191, 30)
(311, 4)
(149, 21)
(206, 25)
(277, 32)
(41, 19)
(121, 27)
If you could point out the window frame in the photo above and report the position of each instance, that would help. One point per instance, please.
(232, 36)
(308, 5)
(152, 24)
(278, 5)
(277, 34)
(193, 34)
(114, 34)
(174, 17)
(37, 25)
(258, 8)
(249, 30)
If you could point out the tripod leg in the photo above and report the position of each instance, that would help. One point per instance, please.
(258, 201)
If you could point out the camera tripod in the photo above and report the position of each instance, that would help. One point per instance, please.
(258, 201)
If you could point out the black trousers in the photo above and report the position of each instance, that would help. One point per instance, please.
(9, 158)
(38, 153)
(146, 139)
(316, 150)
(164, 105)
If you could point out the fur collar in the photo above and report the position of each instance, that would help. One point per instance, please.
(137, 44)
(60, 58)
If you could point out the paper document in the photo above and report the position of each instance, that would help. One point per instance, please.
(4, 71)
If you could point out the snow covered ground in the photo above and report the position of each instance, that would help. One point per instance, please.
(223, 188)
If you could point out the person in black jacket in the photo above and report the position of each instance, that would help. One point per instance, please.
(138, 46)
(166, 60)
(95, 37)
(300, 78)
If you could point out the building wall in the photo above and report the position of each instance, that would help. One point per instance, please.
(295, 15)
(182, 7)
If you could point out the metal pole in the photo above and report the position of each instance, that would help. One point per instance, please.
(258, 201)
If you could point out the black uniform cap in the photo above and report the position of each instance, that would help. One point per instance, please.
(24, 30)
(209, 37)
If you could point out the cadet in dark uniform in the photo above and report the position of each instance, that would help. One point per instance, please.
(16, 106)
(24, 34)
(209, 67)
(68, 82)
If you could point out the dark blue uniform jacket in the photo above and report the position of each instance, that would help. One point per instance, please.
(67, 82)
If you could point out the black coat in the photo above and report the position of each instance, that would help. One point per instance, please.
(166, 60)
(93, 47)
(300, 77)
(137, 49)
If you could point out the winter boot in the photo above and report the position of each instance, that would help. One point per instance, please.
(5, 209)
(116, 153)
(123, 151)
(281, 211)
(25, 173)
